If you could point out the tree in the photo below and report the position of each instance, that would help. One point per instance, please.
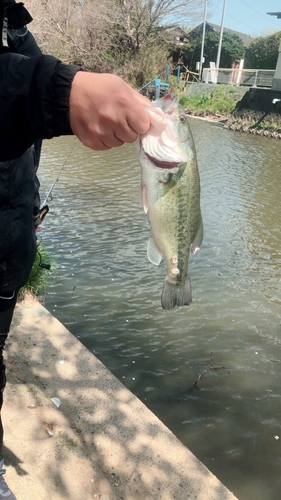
(127, 37)
(232, 50)
(139, 20)
(263, 52)
(71, 30)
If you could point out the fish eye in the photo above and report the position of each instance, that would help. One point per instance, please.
(183, 118)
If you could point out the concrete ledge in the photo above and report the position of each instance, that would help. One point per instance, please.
(102, 442)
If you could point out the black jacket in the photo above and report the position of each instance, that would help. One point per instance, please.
(34, 105)
(34, 97)
(34, 91)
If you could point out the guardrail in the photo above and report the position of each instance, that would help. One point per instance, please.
(249, 77)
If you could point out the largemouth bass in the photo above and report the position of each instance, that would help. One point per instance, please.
(170, 194)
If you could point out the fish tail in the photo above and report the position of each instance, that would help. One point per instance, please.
(178, 294)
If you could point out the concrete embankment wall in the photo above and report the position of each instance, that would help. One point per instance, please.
(258, 112)
(101, 442)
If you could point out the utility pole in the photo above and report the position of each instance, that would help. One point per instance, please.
(221, 34)
(203, 40)
(276, 83)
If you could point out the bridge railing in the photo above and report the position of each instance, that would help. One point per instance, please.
(249, 77)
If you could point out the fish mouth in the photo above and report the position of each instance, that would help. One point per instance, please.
(162, 163)
(162, 148)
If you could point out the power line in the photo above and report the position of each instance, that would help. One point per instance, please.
(257, 12)
(240, 22)
(216, 6)
(227, 15)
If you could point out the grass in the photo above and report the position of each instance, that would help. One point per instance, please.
(266, 125)
(220, 101)
(70, 443)
(39, 277)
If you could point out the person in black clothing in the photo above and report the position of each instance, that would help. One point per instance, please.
(41, 98)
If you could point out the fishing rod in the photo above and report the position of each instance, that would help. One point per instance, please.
(55, 181)
(45, 209)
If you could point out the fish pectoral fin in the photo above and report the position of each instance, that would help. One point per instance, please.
(153, 252)
(143, 198)
(196, 244)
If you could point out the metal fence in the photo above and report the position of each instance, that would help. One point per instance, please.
(248, 77)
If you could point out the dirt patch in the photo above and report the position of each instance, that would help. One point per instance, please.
(209, 118)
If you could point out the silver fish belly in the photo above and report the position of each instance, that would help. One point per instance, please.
(170, 193)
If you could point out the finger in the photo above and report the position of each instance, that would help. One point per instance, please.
(94, 143)
(120, 142)
(108, 145)
(98, 146)
(104, 146)
(143, 100)
(126, 134)
(138, 119)
(112, 141)
(157, 118)
(104, 142)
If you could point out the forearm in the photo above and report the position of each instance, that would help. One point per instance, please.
(34, 101)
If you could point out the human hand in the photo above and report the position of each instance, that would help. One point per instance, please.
(105, 111)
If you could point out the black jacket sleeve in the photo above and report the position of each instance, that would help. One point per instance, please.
(34, 101)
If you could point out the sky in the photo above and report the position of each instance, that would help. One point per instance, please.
(247, 16)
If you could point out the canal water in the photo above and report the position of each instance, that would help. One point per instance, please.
(211, 371)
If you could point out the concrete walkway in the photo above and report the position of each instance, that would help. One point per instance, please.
(101, 442)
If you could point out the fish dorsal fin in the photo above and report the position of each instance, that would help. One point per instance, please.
(153, 252)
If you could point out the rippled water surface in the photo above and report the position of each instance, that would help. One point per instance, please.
(108, 295)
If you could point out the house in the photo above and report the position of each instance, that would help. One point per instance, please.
(180, 37)
(177, 35)
(246, 39)
(195, 35)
